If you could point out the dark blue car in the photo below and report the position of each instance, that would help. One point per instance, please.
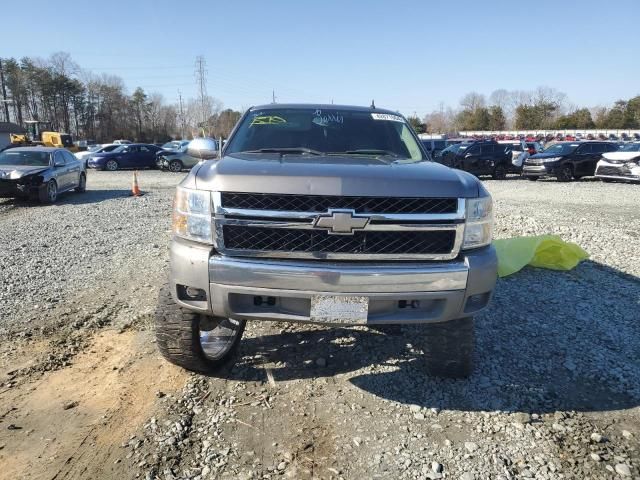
(133, 155)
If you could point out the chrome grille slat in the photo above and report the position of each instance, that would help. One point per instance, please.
(320, 204)
(238, 237)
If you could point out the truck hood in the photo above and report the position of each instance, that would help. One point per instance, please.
(10, 172)
(333, 175)
(621, 156)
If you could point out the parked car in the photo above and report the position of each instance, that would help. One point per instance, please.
(567, 160)
(134, 155)
(479, 158)
(434, 145)
(623, 164)
(177, 160)
(105, 148)
(175, 145)
(40, 173)
(519, 153)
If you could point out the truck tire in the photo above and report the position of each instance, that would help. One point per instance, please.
(448, 348)
(179, 336)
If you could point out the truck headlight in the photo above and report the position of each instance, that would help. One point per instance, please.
(192, 215)
(478, 228)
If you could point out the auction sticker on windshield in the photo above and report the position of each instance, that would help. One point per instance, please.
(387, 116)
(342, 309)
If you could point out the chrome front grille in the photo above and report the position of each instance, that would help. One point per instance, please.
(338, 227)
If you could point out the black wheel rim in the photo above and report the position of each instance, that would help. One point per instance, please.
(219, 337)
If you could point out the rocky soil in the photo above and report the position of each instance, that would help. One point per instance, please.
(84, 394)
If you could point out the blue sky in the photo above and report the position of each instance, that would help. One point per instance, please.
(407, 55)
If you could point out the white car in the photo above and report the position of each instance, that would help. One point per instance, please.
(106, 147)
(621, 165)
(519, 151)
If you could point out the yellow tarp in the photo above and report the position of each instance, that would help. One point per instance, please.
(545, 251)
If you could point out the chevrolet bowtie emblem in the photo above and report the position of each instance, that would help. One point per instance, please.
(341, 222)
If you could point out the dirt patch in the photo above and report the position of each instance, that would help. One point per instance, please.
(71, 423)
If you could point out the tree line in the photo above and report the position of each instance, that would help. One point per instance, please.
(541, 109)
(89, 106)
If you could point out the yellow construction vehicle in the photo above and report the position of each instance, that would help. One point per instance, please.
(36, 135)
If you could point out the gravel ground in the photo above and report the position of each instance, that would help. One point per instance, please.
(555, 393)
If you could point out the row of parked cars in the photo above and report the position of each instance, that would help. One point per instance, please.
(171, 156)
(565, 161)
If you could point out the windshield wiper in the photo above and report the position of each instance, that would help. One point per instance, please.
(371, 151)
(310, 151)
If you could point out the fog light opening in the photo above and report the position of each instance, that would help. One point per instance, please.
(191, 293)
(477, 302)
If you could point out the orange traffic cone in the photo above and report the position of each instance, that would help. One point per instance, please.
(135, 190)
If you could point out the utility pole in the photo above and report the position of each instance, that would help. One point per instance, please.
(273, 96)
(4, 93)
(181, 114)
(201, 81)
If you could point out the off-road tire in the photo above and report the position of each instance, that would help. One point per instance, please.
(82, 185)
(565, 173)
(45, 195)
(178, 339)
(448, 348)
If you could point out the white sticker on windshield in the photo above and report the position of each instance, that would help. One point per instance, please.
(387, 116)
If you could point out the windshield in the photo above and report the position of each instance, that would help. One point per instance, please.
(630, 147)
(29, 158)
(171, 145)
(514, 146)
(326, 131)
(458, 147)
(94, 148)
(561, 148)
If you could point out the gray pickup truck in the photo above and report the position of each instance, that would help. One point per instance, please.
(325, 214)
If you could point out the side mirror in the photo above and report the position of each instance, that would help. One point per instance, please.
(203, 148)
(58, 163)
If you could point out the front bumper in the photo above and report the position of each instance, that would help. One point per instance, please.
(537, 170)
(629, 172)
(13, 189)
(397, 292)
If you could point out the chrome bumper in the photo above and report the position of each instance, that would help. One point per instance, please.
(397, 292)
(534, 170)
